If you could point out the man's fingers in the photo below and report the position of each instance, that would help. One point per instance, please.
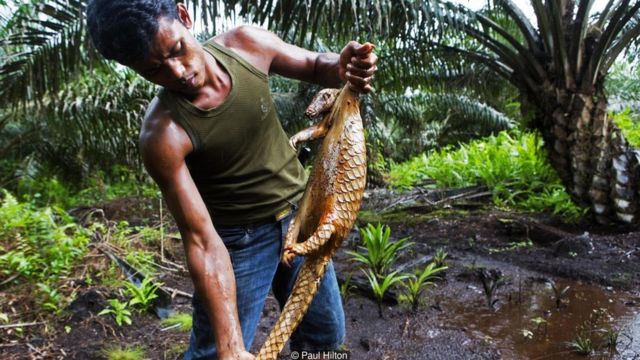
(363, 73)
(364, 63)
(359, 65)
(363, 49)
(359, 83)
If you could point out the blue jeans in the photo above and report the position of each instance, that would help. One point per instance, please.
(255, 254)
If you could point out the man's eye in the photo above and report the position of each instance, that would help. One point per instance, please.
(177, 49)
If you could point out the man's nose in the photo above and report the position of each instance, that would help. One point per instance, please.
(176, 68)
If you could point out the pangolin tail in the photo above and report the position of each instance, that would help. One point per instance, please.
(303, 292)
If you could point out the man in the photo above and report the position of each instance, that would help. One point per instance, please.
(212, 142)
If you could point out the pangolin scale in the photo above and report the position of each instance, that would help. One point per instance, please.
(329, 206)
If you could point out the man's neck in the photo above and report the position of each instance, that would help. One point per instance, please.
(217, 85)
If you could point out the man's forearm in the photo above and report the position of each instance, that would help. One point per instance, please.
(326, 70)
(214, 280)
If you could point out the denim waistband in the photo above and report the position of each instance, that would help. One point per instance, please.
(276, 218)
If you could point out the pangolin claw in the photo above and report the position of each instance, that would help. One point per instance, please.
(288, 256)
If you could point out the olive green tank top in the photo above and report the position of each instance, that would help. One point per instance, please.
(241, 162)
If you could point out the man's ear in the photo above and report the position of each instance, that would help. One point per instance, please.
(183, 15)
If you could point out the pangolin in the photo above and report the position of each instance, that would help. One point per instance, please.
(329, 206)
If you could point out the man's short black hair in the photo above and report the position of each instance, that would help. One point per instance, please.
(122, 30)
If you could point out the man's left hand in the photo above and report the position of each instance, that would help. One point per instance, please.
(357, 65)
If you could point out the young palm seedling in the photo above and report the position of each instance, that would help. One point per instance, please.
(119, 311)
(53, 299)
(416, 283)
(540, 323)
(560, 293)
(379, 253)
(346, 287)
(439, 258)
(491, 280)
(526, 333)
(582, 344)
(610, 340)
(143, 295)
(379, 288)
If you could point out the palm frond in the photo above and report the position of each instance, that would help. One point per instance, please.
(417, 122)
(90, 124)
(43, 48)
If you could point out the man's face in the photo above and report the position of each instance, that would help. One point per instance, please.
(176, 60)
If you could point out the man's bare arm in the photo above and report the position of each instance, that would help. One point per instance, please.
(356, 63)
(163, 146)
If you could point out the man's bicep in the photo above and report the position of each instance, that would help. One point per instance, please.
(164, 159)
(287, 60)
(302, 64)
(294, 62)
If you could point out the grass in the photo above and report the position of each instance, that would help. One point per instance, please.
(116, 352)
(512, 164)
(184, 321)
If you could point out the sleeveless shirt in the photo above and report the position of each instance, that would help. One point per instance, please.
(241, 163)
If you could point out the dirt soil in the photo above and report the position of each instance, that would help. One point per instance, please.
(523, 248)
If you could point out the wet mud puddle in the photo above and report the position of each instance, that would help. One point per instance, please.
(534, 321)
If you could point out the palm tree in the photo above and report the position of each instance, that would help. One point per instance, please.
(560, 69)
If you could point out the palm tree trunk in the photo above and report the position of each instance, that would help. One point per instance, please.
(593, 159)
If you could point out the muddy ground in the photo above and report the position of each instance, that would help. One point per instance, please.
(528, 252)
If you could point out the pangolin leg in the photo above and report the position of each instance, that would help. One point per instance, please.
(292, 234)
(315, 241)
(311, 133)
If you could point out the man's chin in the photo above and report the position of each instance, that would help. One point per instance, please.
(185, 90)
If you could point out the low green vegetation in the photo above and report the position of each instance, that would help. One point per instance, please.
(595, 336)
(440, 258)
(116, 352)
(379, 252)
(512, 165)
(119, 310)
(42, 247)
(142, 296)
(377, 257)
(143, 261)
(39, 244)
(629, 123)
(44, 189)
(181, 321)
(417, 283)
(381, 284)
